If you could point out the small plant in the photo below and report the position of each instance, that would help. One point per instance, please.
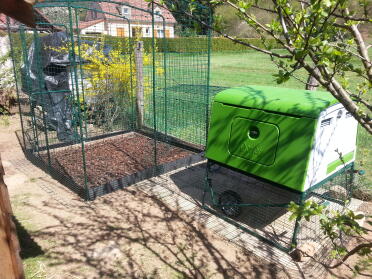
(4, 120)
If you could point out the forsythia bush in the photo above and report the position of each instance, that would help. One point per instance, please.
(109, 79)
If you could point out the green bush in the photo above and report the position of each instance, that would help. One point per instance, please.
(195, 44)
(224, 44)
(182, 44)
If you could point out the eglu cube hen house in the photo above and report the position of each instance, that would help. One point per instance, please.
(294, 138)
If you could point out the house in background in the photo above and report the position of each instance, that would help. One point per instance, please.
(123, 21)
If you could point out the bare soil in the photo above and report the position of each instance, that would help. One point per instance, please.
(113, 158)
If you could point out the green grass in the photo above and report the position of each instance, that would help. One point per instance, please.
(243, 68)
(33, 258)
(254, 68)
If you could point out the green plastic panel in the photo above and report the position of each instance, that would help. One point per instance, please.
(292, 141)
(283, 100)
(335, 164)
(251, 140)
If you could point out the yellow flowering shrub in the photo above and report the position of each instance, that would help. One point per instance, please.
(110, 79)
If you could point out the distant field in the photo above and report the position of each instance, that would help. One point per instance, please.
(253, 68)
(246, 68)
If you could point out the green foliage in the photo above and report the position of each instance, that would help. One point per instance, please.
(180, 44)
(223, 44)
(307, 210)
(192, 44)
(198, 8)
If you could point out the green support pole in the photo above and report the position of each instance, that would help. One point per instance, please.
(42, 89)
(165, 82)
(35, 145)
(73, 60)
(81, 76)
(154, 87)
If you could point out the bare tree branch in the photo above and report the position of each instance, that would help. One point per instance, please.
(362, 50)
(355, 250)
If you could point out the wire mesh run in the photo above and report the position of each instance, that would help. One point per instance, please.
(103, 101)
(264, 205)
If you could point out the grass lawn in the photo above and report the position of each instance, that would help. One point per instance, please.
(245, 68)
(254, 68)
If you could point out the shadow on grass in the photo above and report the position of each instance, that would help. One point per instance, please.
(29, 248)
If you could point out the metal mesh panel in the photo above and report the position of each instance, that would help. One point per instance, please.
(104, 102)
(264, 206)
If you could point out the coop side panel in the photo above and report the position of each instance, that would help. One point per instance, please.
(293, 148)
(335, 136)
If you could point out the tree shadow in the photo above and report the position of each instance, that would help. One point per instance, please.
(134, 234)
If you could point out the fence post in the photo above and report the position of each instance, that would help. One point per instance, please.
(138, 50)
(10, 261)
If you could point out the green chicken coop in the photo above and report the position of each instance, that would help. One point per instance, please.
(295, 140)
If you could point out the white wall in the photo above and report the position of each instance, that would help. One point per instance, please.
(340, 134)
(96, 28)
(113, 26)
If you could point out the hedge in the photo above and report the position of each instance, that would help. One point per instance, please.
(197, 44)
(184, 44)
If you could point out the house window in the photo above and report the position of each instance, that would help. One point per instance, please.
(125, 11)
(160, 33)
(147, 31)
(120, 32)
(158, 14)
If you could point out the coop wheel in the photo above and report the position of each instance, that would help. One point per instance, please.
(230, 197)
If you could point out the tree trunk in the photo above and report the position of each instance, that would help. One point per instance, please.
(312, 83)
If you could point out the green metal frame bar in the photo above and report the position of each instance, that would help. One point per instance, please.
(78, 100)
(154, 83)
(41, 86)
(81, 74)
(30, 98)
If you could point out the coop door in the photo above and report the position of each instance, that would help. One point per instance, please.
(254, 140)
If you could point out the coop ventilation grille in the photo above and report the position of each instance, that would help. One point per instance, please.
(326, 122)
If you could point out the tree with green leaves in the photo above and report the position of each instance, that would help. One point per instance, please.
(320, 36)
(199, 11)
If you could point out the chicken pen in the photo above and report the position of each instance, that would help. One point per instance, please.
(272, 147)
(104, 101)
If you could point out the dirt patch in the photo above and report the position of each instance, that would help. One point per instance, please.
(114, 158)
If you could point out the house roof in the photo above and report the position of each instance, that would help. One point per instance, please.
(86, 24)
(110, 10)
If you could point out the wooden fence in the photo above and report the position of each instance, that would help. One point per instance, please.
(10, 261)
